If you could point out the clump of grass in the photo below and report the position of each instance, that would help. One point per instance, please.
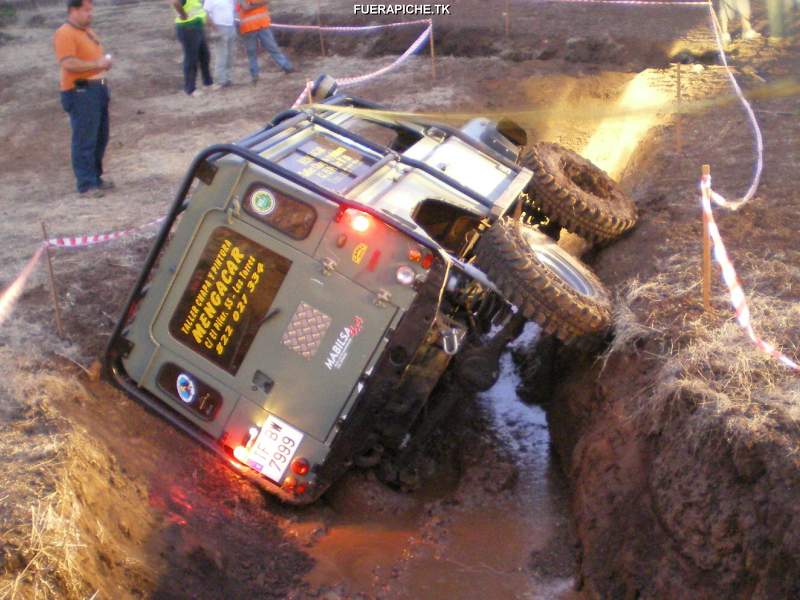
(53, 570)
(707, 365)
(40, 510)
(8, 14)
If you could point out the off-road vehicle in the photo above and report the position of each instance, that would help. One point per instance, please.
(312, 282)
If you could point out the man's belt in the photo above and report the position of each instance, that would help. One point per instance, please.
(84, 83)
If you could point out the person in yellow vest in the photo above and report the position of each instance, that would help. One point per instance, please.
(254, 28)
(190, 29)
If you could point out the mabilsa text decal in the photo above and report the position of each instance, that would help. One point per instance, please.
(341, 346)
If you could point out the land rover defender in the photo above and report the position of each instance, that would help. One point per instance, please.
(312, 282)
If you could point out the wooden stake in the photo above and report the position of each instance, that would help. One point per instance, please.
(678, 132)
(706, 249)
(433, 53)
(53, 293)
(319, 23)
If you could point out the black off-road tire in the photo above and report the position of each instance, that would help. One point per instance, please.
(576, 194)
(549, 285)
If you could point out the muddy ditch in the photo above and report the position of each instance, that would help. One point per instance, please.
(634, 54)
(654, 517)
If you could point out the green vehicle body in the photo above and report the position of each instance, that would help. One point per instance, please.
(297, 307)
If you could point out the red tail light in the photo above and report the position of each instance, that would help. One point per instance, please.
(359, 221)
(300, 466)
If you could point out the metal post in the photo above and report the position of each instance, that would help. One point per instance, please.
(319, 23)
(505, 17)
(433, 53)
(706, 247)
(53, 293)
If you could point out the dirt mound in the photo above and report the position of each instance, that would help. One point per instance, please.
(681, 442)
(82, 532)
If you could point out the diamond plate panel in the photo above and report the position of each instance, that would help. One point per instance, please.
(305, 331)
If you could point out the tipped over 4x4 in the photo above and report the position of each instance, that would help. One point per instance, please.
(313, 282)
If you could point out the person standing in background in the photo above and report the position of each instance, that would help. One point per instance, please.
(779, 13)
(727, 11)
(220, 13)
(254, 28)
(190, 28)
(84, 95)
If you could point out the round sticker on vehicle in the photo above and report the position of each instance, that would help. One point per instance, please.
(186, 388)
(262, 202)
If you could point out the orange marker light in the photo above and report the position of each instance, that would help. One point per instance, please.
(414, 255)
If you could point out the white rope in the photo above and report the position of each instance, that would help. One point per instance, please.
(346, 81)
(721, 201)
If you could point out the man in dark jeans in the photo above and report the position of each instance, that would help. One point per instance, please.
(84, 95)
(190, 28)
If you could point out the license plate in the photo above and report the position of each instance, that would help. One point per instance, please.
(274, 448)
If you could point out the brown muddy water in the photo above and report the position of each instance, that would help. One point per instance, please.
(506, 540)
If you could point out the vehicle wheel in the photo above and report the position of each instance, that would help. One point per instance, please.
(546, 283)
(578, 195)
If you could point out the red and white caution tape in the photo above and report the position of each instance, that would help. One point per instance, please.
(10, 295)
(90, 240)
(345, 81)
(634, 2)
(12, 292)
(350, 29)
(732, 281)
(729, 276)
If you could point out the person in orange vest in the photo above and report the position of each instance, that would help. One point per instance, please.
(254, 28)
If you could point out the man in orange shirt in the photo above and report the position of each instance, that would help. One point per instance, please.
(84, 95)
(254, 29)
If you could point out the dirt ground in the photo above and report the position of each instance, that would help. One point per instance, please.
(679, 443)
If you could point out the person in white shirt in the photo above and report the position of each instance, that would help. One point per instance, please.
(220, 12)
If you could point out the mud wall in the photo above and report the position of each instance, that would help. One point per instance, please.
(664, 505)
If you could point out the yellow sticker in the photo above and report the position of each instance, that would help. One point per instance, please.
(359, 252)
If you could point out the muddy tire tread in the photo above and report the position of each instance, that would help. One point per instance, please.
(573, 208)
(542, 296)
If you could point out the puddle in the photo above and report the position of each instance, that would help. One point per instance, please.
(516, 546)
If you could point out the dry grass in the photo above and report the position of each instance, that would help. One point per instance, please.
(707, 365)
(40, 537)
(54, 569)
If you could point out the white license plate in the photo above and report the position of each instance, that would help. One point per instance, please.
(274, 448)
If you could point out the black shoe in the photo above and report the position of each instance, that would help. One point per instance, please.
(289, 70)
(92, 193)
(106, 184)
